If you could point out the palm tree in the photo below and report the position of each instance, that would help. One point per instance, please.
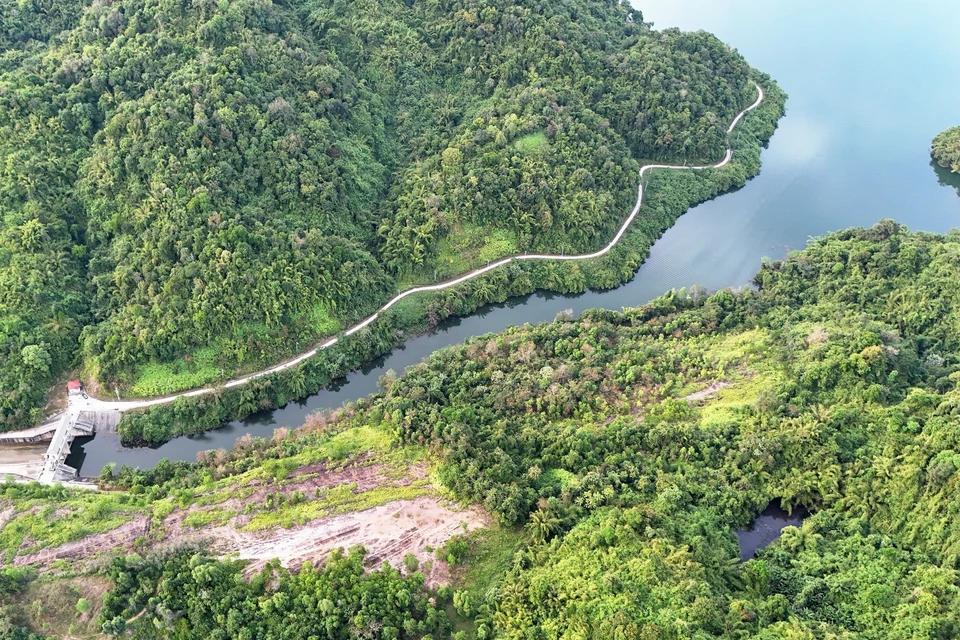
(60, 325)
(483, 290)
(298, 383)
(542, 525)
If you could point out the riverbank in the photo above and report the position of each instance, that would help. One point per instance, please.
(668, 195)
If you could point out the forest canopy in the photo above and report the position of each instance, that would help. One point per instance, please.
(198, 186)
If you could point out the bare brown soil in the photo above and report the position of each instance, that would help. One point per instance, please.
(123, 537)
(22, 453)
(5, 516)
(389, 532)
(56, 398)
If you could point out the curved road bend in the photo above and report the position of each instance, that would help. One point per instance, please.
(94, 404)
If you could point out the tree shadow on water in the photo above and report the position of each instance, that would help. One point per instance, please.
(945, 177)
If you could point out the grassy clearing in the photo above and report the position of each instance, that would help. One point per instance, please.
(321, 322)
(499, 244)
(490, 554)
(335, 501)
(159, 378)
(209, 517)
(471, 247)
(744, 359)
(531, 143)
(217, 360)
(39, 523)
(203, 366)
(52, 606)
(219, 497)
(357, 447)
(738, 349)
(560, 478)
(343, 450)
(410, 311)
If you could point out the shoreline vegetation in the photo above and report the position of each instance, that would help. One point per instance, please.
(614, 454)
(197, 188)
(408, 318)
(946, 149)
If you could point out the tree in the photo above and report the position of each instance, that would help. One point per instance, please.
(36, 356)
(83, 606)
(542, 525)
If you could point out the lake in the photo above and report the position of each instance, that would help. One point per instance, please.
(870, 84)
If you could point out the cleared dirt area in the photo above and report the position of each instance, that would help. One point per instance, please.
(710, 391)
(123, 537)
(5, 516)
(389, 532)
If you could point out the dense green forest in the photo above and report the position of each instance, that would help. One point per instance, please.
(620, 449)
(946, 149)
(193, 188)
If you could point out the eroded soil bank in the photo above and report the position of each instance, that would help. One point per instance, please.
(242, 526)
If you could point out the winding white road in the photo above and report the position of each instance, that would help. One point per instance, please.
(94, 404)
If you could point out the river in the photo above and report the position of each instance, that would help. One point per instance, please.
(870, 84)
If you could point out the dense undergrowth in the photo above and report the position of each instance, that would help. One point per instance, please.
(245, 177)
(842, 395)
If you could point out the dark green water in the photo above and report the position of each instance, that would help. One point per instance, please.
(870, 84)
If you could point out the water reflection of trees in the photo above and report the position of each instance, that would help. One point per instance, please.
(945, 177)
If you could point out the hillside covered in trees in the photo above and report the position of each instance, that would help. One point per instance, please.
(617, 451)
(193, 187)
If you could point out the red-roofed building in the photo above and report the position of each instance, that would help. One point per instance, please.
(74, 388)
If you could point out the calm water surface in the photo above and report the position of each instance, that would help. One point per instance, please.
(766, 528)
(870, 84)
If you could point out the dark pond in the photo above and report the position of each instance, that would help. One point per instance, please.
(766, 528)
(870, 84)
